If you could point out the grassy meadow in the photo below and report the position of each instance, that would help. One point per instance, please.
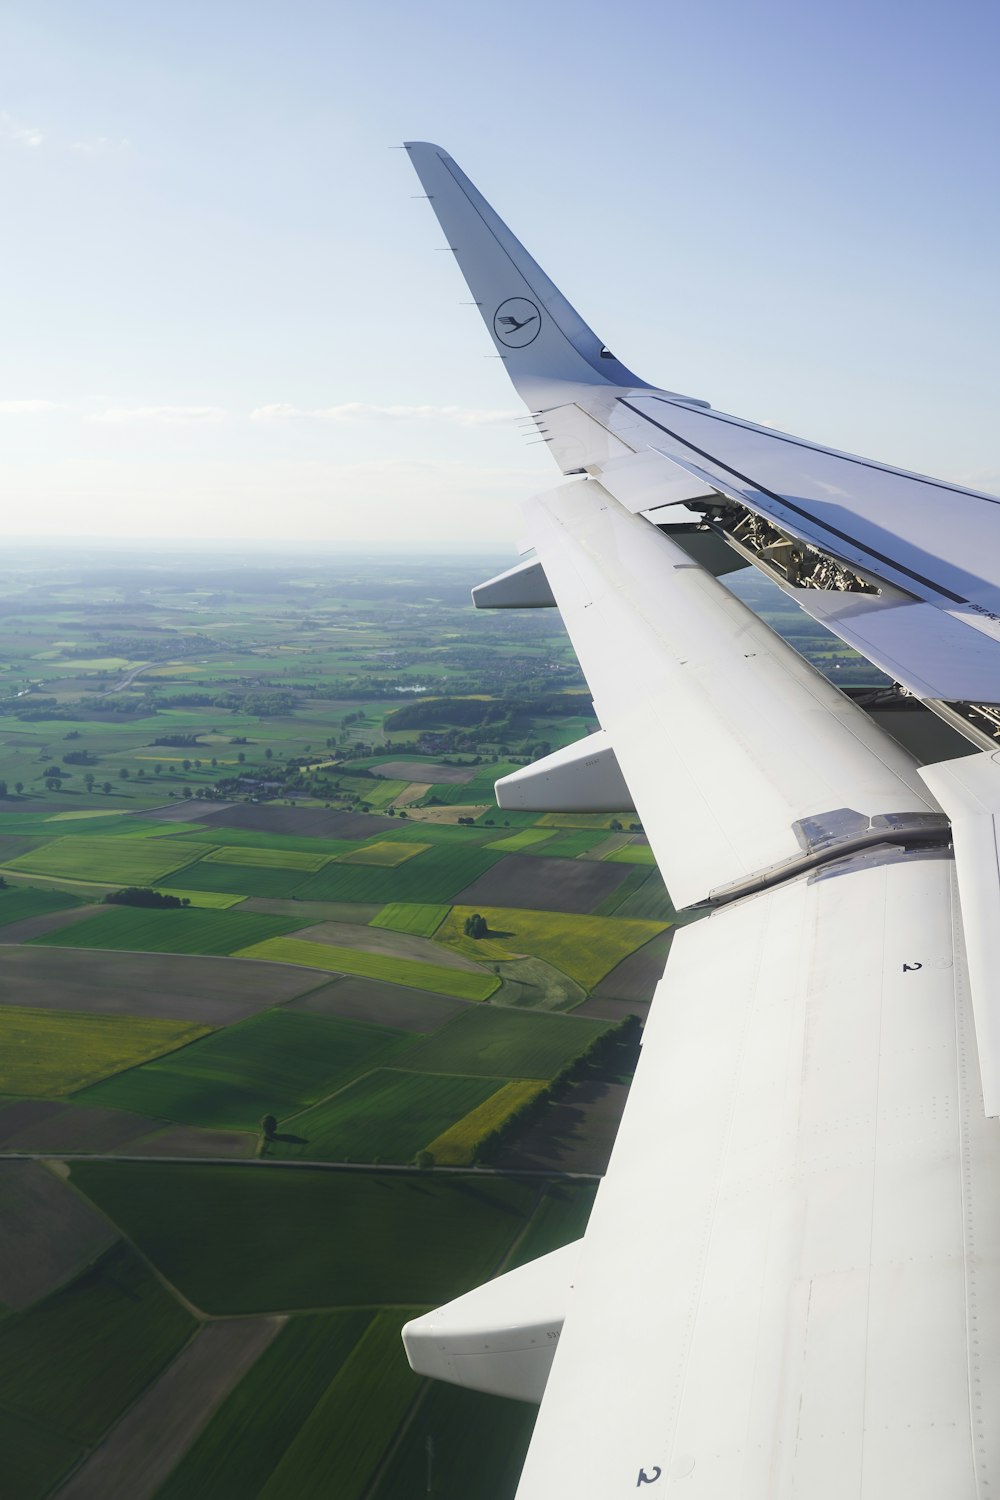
(283, 745)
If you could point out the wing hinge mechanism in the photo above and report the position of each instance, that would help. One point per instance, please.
(835, 837)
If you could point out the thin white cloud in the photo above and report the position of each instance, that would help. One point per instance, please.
(363, 411)
(21, 135)
(198, 415)
(26, 408)
(98, 145)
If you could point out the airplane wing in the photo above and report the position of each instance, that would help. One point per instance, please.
(790, 1283)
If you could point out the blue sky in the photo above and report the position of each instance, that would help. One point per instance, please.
(224, 312)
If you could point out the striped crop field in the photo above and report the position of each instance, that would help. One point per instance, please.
(631, 854)
(456, 1146)
(17, 902)
(138, 930)
(50, 1372)
(388, 1115)
(585, 948)
(461, 983)
(383, 792)
(493, 1041)
(525, 838)
(256, 1425)
(210, 900)
(267, 859)
(384, 852)
(125, 861)
(54, 1052)
(419, 918)
(575, 820)
(438, 874)
(280, 1061)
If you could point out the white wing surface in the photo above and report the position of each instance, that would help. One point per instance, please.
(818, 520)
(790, 1283)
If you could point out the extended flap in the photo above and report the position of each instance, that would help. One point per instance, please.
(501, 1337)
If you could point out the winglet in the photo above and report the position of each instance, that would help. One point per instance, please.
(542, 340)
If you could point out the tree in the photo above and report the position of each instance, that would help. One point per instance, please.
(89, 780)
(615, 826)
(106, 788)
(424, 1159)
(186, 765)
(269, 753)
(268, 1125)
(123, 774)
(476, 926)
(19, 787)
(158, 769)
(3, 788)
(241, 756)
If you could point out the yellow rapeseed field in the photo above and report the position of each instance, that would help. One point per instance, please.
(54, 1052)
(585, 948)
(456, 1146)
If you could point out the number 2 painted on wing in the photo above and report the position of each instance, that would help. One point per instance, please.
(911, 968)
(645, 1478)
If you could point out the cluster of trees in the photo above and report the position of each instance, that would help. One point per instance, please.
(623, 1039)
(476, 926)
(143, 895)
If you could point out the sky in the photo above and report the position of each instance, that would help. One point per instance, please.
(224, 309)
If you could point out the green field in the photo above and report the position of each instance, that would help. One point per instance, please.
(383, 792)
(472, 1435)
(387, 1115)
(383, 852)
(267, 858)
(572, 844)
(435, 875)
(632, 854)
(34, 1457)
(249, 880)
(353, 1422)
(489, 1042)
(137, 929)
(242, 1239)
(647, 901)
(576, 820)
(585, 948)
(525, 838)
(256, 839)
(462, 983)
(560, 1218)
(75, 1360)
(49, 1053)
(259, 1421)
(275, 1063)
(19, 901)
(209, 900)
(420, 918)
(122, 861)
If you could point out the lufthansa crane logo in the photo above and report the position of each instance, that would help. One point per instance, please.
(517, 322)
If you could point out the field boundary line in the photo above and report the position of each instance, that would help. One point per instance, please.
(297, 1165)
